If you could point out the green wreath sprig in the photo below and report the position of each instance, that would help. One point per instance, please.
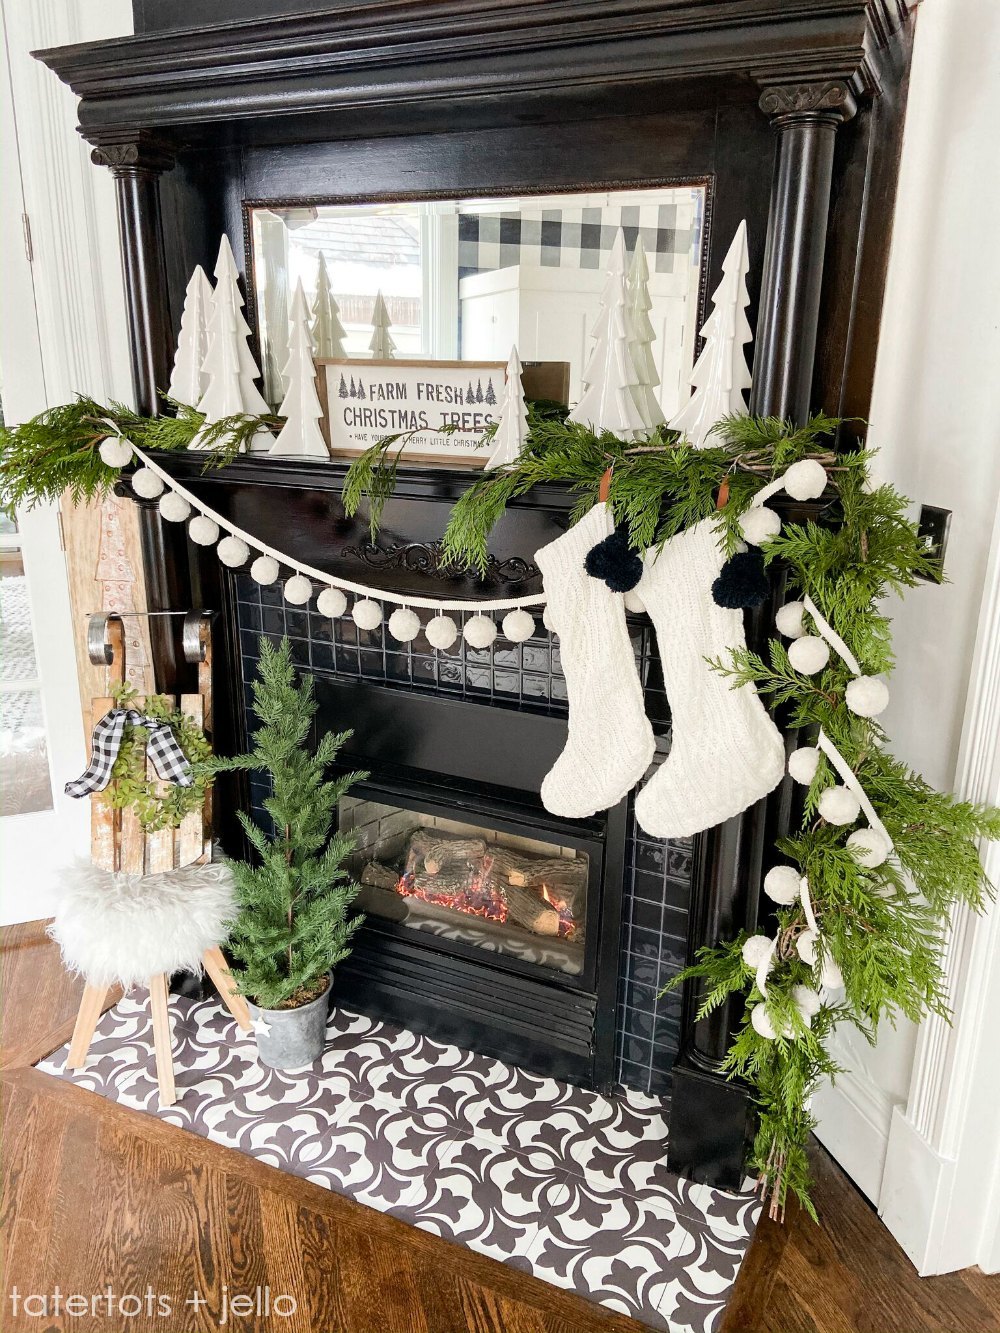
(157, 805)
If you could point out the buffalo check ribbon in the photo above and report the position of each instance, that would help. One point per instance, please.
(162, 748)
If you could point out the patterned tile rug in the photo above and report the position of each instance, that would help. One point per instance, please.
(541, 1175)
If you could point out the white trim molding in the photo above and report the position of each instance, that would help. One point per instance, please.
(940, 1191)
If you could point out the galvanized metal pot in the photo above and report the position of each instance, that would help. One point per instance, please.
(292, 1038)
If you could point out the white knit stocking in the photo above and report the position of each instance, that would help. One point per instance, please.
(610, 743)
(726, 753)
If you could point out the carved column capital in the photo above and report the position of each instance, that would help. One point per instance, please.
(823, 99)
(139, 155)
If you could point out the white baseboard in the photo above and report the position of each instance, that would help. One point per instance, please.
(916, 1188)
(854, 1118)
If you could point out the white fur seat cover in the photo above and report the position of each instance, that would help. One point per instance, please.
(114, 927)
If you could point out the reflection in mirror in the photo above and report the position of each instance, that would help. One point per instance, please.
(467, 280)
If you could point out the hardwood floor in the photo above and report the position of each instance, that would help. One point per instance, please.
(94, 1194)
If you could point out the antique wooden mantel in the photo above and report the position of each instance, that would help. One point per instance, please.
(789, 110)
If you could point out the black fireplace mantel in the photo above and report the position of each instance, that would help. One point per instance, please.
(789, 111)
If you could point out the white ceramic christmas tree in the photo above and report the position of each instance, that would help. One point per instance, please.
(327, 331)
(610, 376)
(188, 381)
(512, 429)
(382, 347)
(641, 338)
(721, 374)
(229, 363)
(300, 436)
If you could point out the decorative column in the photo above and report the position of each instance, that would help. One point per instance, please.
(136, 165)
(712, 1119)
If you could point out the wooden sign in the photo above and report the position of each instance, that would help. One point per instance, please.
(367, 400)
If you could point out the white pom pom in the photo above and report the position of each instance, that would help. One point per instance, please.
(174, 508)
(788, 620)
(115, 451)
(548, 622)
(518, 626)
(781, 884)
(233, 551)
(760, 524)
(805, 946)
(830, 974)
(441, 632)
(633, 602)
(203, 531)
(763, 1024)
(367, 614)
(404, 624)
(331, 602)
(146, 483)
(264, 569)
(755, 949)
(809, 654)
(807, 1002)
(805, 480)
(869, 847)
(298, 590)
(867, 696)
(479, 631)
(803, 763)
(838, 805)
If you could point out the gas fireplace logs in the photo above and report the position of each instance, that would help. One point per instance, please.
(476, 878)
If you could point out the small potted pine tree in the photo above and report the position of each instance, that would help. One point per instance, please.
(294, 924)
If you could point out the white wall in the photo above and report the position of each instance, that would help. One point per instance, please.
(934, 420)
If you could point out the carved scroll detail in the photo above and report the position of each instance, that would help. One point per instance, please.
(140, 154)
(426, 558)
(828, 97)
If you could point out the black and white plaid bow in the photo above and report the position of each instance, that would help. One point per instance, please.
(167, 756)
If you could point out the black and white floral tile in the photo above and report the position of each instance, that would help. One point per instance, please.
(547, 1177)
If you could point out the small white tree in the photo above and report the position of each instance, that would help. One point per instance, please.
(382, 347)
(610, 377)
(187, 379)
(327, 331)
(227, 348)
(512, 429)
(300, 436)
(721, 374)
(641, 339)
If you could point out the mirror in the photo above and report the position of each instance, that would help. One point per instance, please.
(467, 279)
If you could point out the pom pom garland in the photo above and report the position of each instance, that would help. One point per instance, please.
(805, 946)
(264, 570)
(803, 763)
(759, 525)
(174, 508)
(298, 590)
(518, 626)
(233, 551)
(782, 884)
(367, 614)
(867, 696)
(115, 451)
(479, 632)
(807, 1002)
(742, 582)
(838, 805)
(404, 624)
(331, 602)
(146, 483)
(203, 531)
(809, 654)
(441, 633)
(615, 561)
(869, 847)
(788, 620)
(805, 480)
(763, 1024)
(755, 950)
(548, 622)
(830, 974)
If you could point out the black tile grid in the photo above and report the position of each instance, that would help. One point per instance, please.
(657, 873)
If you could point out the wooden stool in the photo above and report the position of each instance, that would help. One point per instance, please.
(92, 1004)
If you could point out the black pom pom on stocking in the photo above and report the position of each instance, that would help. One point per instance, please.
(615, 561)
(742, 582)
